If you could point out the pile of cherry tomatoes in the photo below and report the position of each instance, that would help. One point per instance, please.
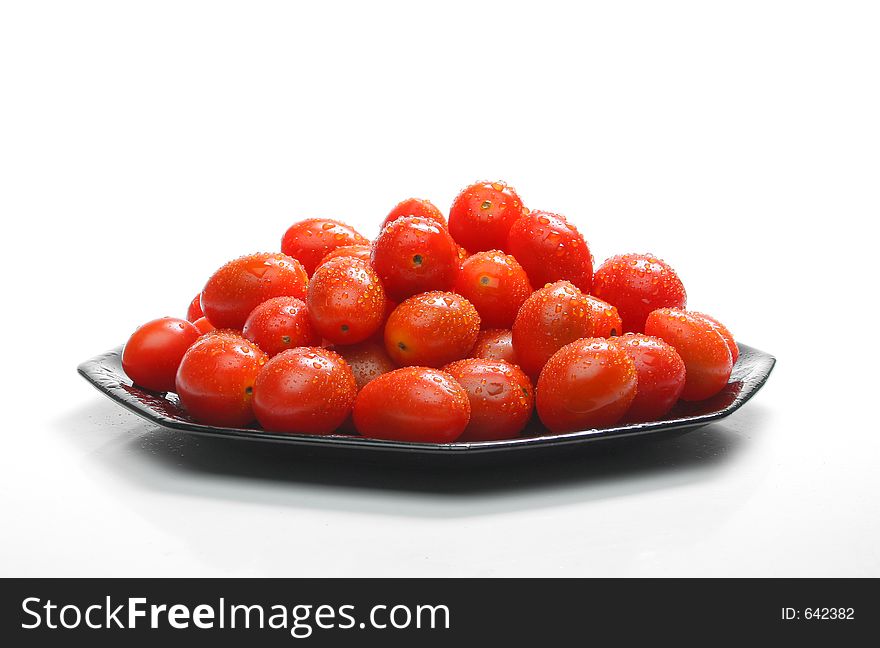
(436, 331)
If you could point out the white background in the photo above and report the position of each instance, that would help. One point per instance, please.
(144, 144)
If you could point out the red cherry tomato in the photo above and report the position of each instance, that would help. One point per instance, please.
(496, 285)
(241, 285)
(356, 251)
(215, 381)
(482, 214)
(412, 404)
(194, 311)
(500, 395)
(153, 352)
(550, 248)
(495, 344)
(431, 330)
(308, 390)
(414, 255)
(706, 356)
(415, 207)
(311, 239)
(203, 325)
(728, 337)
(279, 324)
(638, 284)
(606, 320)
(548, 320)
(587, 384)
(346, 300)
(368, 360)
(661, 376)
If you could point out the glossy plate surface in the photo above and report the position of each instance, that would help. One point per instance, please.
(750, 373)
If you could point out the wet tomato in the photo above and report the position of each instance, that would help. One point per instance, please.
(725, 333)
(414, 207)
(494, 344)
(346, 300)
(414, 255)
(215, 381)
(500, 395)
(203, 325)
(661, 376)
(279, 324)
(496, 285)
(241, 285)
(154, 351)
(587, 384)
(550, 248)
(548, 320)
(194, 311)
(482, 214)
(606, 321)
(311, 239)
(413, 404)
(637, 284)
(307, 390)
(356, 251)
(707, 358)
(368, 360)
(431, 330)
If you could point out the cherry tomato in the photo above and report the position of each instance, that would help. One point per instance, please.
(415, 207)
(241, 285)
(496, 285)
(552, 317)
(500, 395)
(356, 251)
(346, 300)
(606, 320)
(368, 360)
(462, 254)
(638, 284)
(431, 330)
(307, 390)
(661, 376)
(203, 325)
(412, 404)
(728, 337)
(215, 381)
(279, 324)
(153, 352)
(311, 239)
(706, 356)
(550, 248)
(587, 384)
(194, 311)
(414, 255)
(495, 344)
(482, 214)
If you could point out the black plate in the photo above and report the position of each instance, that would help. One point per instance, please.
(752, 369)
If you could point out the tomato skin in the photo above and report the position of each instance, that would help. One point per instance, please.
(414, 207)
(500, 395)
(496, 285)
(215, 381)
(368, 360)
(725, 333)
(414, 255)
(606, 321)
(550, 318)
(356, 251)
(638, 284)
(279, 324)
(412, 404)
(661, 376)
(550, 248)
(194, 311)
(154, 351)
(311, 239)
(707, 359)
(587, 384)
(203, 325)
(431, 330)
(346, 300)
(241, 285)
(495, 344)
(307, 390)
(482, 215)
